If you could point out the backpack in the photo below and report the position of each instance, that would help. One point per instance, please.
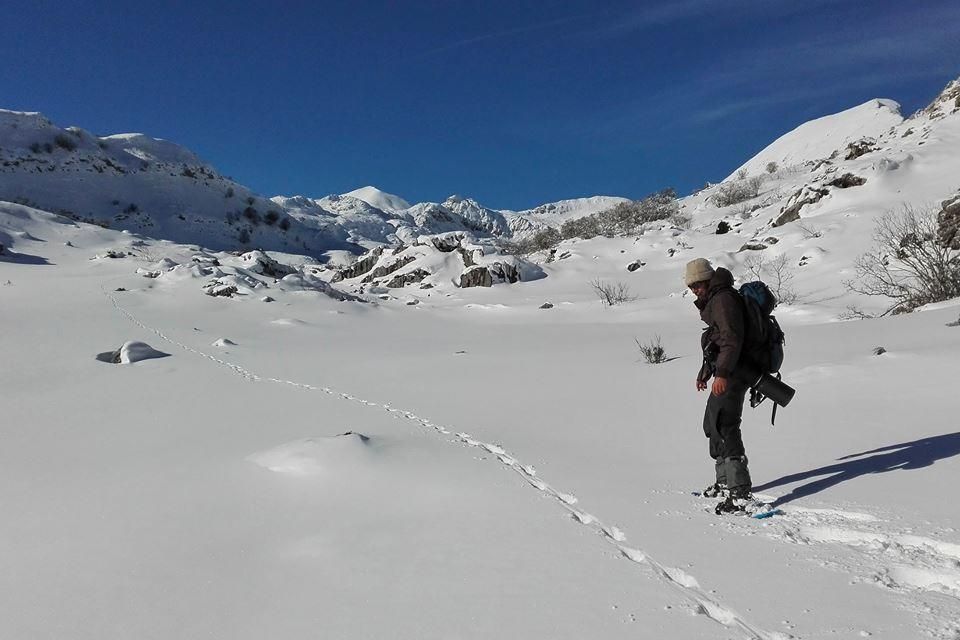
(764, 339)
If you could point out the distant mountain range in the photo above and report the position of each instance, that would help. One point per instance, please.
(157, 188)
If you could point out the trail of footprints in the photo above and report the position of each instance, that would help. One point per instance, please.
(682, 583)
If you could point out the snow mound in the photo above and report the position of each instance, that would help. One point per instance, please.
(224, 342)
(314, 456)
(131, 351)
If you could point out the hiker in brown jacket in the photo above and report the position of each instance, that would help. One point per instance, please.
(723, 341)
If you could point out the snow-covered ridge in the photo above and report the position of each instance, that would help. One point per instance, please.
(155, 187)
(160, 189)
(819, 138)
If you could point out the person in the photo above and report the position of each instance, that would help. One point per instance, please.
(723, 342)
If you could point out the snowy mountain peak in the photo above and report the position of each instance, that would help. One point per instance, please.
(379, 199)
(947, 103)
(819, 138)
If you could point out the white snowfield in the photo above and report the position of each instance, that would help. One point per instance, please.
(301, 463)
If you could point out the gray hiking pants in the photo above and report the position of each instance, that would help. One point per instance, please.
(721, 423)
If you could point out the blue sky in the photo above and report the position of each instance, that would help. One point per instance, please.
(513, 103)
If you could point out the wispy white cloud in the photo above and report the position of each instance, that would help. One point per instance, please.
(811, 69)
(494, 35)
(649, 15)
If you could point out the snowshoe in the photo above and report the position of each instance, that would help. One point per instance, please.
(716, 490)
(741, 502)
(731, 505)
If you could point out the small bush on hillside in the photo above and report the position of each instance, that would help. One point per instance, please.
(284, 224)
(776, 272)
(251, 214)
(731, 193)
(539, 241)
(907, 262)
(229, 193)
(809, 231)
(65, 142)
(271, 217)
(624, 218)
(652, 352)
(612, 294)
(772, 167)
(681, 220)
(586, 227)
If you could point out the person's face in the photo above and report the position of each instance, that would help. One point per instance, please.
(700, 289)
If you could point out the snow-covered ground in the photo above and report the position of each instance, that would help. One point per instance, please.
(285, 464)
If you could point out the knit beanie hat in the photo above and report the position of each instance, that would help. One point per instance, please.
(697, 271)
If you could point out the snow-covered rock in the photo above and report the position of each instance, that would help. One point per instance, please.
(130, 352)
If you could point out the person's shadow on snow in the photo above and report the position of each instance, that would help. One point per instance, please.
(907, 455)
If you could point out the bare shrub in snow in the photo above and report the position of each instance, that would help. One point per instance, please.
(681, 220)
(586, 228)
(539, 241)
(65, 142)
(612, 294)
(776, 272)
(624, 218)
(907, 262)
(738, 191)
(742, 174)
(652, 352)
(809, 231)
(772, 167)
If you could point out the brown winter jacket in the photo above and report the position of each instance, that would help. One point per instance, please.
(723, 313)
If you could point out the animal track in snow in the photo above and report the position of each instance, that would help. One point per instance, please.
(684, 584)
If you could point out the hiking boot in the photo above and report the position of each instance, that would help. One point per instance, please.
(716, 490)
(741, 502)
(730, 505)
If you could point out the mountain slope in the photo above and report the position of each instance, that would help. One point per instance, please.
(819, 138)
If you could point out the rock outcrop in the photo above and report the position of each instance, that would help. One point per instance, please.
(411, 277)
(847, 180)
(475, 276)
(859, 148)
(948, 223)
(387, 269)
(361, 266)
(261, 263)
(791, 211)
